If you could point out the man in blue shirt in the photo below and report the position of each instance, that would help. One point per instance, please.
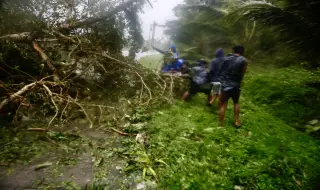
(230, 75)
(199, 81)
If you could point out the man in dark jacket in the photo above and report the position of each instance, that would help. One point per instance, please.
(213, 74)
(231, 74)
(198, 81)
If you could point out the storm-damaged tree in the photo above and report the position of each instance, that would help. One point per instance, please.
(72, 39)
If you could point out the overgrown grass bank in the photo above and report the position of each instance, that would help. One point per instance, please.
(265, 154)
(291, 94)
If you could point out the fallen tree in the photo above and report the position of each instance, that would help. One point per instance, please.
(76, 68)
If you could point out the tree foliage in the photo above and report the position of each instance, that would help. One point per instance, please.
(261, 26)
(58, 49)
(296, 21)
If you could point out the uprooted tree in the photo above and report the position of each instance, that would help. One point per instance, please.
(54, 52)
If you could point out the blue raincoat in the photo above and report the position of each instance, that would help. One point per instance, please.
(176, 64)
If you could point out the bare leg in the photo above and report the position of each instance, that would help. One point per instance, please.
(209, 98)
(214, 97)
(236, 114)
(186, 96)
(222, 112)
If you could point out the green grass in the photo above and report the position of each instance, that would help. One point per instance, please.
(265, 153)
(152, 61)
(290, 94)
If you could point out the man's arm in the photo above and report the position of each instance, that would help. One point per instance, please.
(245, 67)
(160, 51)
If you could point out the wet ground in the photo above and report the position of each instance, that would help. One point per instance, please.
(90, 160)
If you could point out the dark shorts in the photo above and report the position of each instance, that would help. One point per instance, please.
(234, 94)
(204, 88)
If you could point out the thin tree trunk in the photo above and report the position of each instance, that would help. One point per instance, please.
(70, 6)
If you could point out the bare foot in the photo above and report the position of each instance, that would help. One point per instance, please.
(237, 124)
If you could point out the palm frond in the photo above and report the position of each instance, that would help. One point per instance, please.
(292, 25)
(211, 12)
(205, 27)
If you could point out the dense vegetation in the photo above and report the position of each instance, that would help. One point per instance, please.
(73, 108)
(270, 42)
(267, 153)
(280, 98)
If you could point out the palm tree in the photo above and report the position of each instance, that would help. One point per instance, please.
(295, 20)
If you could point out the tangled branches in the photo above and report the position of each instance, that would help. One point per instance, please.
(85, 69)
(68, 67)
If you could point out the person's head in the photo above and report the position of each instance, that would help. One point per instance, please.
(238, 49)
(219, 53)
(173, 48)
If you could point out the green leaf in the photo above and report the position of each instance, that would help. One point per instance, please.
(152, 172)
(144, 172)
(161, 161)
(142, 160)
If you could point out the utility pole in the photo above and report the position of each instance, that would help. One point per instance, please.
(153, 28)
(153, 31)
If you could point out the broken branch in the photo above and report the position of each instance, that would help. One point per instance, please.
(46, 59)
(121, 133)
(37, 129)
(22, 91)
(53, 102)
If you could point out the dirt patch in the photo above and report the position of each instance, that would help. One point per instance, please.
(93, 158)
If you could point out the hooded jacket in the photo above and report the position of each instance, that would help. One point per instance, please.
(216, 65)
(231, 71)
(199, 73)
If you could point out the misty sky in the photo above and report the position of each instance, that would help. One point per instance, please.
(161, 12)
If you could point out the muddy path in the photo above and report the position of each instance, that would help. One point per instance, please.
(75, 157)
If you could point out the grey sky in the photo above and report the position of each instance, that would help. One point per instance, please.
(161, 12)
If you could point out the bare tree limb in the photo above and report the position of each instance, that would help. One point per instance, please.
(25, 36)
(21, 92)
(53, 102)
(17, 95)
(46, 59)
(145, 85)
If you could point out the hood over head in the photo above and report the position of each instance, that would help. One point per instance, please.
(219, 53)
